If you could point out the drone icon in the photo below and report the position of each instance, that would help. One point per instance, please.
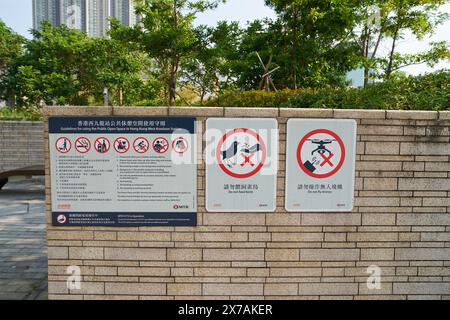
(321, 149)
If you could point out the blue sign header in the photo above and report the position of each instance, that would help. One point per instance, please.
(121, 125)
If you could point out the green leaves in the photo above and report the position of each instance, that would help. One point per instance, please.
(64, 66)
(11, 45)
(428, 92)
(397, 18)
(168, 36)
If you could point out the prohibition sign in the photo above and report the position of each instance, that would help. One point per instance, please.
(63, 145)
(121, 145)
(180, 145)
(61, 219)
(326, 158)
(160, 145)
(141, 145)
(247, 159)
(83, 145)
(102, 145)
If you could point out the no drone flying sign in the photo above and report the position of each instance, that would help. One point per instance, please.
(320, 165)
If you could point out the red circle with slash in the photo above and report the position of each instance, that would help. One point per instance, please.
(338, 166)
(141, 149)
(80, 145)
(161, 148)
(100, 143)
(176, 148)
(67, 147)
(219, 153)
(125, 148)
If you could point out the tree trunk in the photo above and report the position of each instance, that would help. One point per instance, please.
(391, 55)
(366, 41)
(121, 96)
(173, 80)
(174, 63)
(172, 88)
(295, 47)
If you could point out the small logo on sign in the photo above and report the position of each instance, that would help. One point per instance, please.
(61, 219)
(178, 206)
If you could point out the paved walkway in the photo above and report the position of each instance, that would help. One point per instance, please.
(23, 244)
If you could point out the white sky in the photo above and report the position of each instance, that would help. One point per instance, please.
(17, 14)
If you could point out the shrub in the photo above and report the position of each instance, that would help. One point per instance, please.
(23, 114)
(427, 92)
(255, 98)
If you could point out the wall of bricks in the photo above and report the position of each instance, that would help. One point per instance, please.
(20, 144)
(401, 223)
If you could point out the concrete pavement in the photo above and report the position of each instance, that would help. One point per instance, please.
(23, 243)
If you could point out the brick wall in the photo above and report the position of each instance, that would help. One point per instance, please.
(401, 223)
(20, 144)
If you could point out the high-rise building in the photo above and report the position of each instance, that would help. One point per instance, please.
(73, 14)
(97, 14)
(45, 10)
(123, 10)
(90, 16)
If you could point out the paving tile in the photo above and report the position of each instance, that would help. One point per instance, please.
(23, 244)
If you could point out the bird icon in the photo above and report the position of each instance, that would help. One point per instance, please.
(253, 149)
(230, 153)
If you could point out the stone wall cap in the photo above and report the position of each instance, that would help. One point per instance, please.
(411, 115)
(359, 113)
(77, 111)
(306, 113)
(21, 122)
(197, 111)
(140, 111)
(444, 115)
(251, 112)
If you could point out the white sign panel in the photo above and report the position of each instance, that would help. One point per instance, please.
(241, 164)
(123, 171)
(320, 165)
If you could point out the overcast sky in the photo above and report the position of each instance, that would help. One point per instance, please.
(17, 14)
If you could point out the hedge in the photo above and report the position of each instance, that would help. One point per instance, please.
(427, 92)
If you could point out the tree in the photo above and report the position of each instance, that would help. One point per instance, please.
(11, 45)
(167, 35)
(316, 39)
(210, 68)
(65, 66)
(389, 21)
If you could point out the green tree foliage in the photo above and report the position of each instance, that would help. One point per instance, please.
(315, 39)
(388, 21)
(426, 92)
(312, 43)
(166, 34)
(64, 66)
(11, 45)
(211, 67)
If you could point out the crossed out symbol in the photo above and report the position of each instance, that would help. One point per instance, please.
(327, 159)
(255, 165)
(330, 164)
(247, 159)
